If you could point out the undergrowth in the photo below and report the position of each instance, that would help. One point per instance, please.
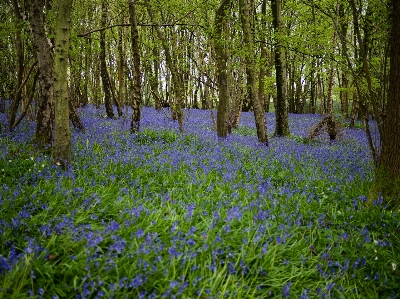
(159, 214)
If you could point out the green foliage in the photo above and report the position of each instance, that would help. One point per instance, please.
(245, 131)
(17, 163)
(385, 186)
(149, 136)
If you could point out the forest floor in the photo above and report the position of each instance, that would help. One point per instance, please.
(160, 214)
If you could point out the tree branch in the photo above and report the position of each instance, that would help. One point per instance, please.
(139, 25)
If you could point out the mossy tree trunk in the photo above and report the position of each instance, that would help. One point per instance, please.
(62, 131)
(245, 8)
(387, 181)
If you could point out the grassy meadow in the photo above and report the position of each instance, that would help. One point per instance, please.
(161, 214)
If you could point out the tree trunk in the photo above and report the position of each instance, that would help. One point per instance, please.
(363, 53)
(121, 64)
(263, 57)
(137, 76)
(221, 58)
(62, 132)
(281, 112)
(387, 180)
(74, 116)
(153, 76)
(176, 81)
(103, 65)
(19, 50)
(28, 102)
(332, 70)
(313, 106)
(344, 95)
(258, 110)
(88, 61)
(291, 72)
(45, 105)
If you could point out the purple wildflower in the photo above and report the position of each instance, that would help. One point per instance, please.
(286, 290)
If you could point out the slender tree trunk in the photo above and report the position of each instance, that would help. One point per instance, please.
(364, 56)
(297, 100)
(121, 65)
(313, 105)
(74, 116)
(176, 81)
(320, 94)
(153, 77)
(221, 57)
(156, 66)
(62, 131)
(28, 102)
(281, 112)
(258, 110)
(45, 106)
(344, 95)
(137, 75)
(263, 57)
(313, 101)
(291, 87)
(103, 65)
(19, 49)
(88, 59)
(332, 70)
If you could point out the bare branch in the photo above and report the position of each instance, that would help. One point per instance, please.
(140, 25)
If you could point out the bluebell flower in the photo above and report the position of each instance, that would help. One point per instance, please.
(4, 265)
(118, 246)
(330, 286)
(94, 240)
(139, 233)
(113, 226)
(286, 262)
(231, 268)
(137, 281)
(304, 294)
(192, 230)
(286, 290)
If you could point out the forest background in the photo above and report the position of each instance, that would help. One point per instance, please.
(98, 63)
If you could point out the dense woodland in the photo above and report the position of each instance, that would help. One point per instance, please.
(199, 149)
(299, 56)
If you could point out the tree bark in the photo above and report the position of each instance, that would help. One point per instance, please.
(387, 181)
(19, 49)
(250, 72)
(263, 58)
(62, 131)
(344, 95)
(74, 116)
(137, 75)
(45, 105)
(105, 79)
(221, 59)
(363, 53)
(281, 112)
